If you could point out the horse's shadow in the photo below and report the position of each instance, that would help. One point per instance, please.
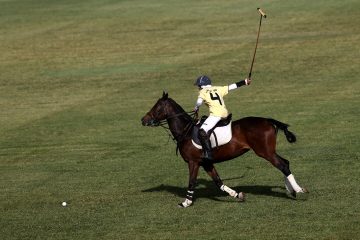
(207, 189)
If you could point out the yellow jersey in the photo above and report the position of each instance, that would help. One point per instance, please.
(213, 98)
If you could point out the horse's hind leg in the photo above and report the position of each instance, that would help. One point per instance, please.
(211, 171)
(290, 183)
(283, 165)
(264, 146)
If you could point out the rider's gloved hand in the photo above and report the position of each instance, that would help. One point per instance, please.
(247, 81)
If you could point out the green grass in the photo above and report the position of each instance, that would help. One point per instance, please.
(77, 76)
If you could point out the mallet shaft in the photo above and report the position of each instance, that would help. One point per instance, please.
(257, 40)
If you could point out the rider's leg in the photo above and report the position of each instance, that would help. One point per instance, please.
(206, 145)
(204, 135)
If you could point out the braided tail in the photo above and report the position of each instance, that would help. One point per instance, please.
(284, 127)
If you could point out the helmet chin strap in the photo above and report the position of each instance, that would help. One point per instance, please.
(205, 86)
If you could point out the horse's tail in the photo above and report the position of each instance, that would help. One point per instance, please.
(284, 127)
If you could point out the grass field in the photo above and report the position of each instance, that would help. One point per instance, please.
(77, 76)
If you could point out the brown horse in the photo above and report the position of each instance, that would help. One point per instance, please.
(258, 134)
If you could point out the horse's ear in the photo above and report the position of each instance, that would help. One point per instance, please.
(165, 95)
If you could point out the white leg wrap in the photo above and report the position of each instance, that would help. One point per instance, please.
(294, 184)
(288, 186)
(231, 192)
(186, 203)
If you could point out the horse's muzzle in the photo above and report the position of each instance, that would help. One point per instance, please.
(149, 122)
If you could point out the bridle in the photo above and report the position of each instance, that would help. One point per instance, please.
(163, 122)
(181, 137)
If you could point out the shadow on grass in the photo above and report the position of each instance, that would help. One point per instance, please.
(207, 189)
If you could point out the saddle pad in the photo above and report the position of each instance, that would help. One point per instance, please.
(223, 136)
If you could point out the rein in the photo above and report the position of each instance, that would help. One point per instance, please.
(163, 122)
(179, 138)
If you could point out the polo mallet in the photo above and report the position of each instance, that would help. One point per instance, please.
(262, 14)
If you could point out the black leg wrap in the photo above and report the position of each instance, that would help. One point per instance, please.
(190, 195)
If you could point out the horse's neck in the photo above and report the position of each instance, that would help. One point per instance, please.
(180, 124)
(179, 128)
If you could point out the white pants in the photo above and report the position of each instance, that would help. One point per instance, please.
(209, 123)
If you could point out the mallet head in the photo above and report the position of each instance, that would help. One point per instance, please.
(261, 12)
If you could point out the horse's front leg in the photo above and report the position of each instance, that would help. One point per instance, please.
(193, 173)
(210, 169)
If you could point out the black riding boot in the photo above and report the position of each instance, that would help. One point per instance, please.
(206, 145)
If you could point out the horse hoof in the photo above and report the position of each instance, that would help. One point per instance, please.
(299, 195)
(241, 197)
(182, 205)
(305, 190)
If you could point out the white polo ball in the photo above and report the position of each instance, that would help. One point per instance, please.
(64, 204)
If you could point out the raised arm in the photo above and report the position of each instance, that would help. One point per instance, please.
(239, 84)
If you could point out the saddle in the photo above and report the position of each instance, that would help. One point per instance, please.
(219, 135)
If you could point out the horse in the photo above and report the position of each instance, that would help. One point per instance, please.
(256, 133)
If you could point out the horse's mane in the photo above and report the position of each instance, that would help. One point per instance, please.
(179, 109)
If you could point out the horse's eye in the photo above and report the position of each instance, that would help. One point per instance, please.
(158, 110)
